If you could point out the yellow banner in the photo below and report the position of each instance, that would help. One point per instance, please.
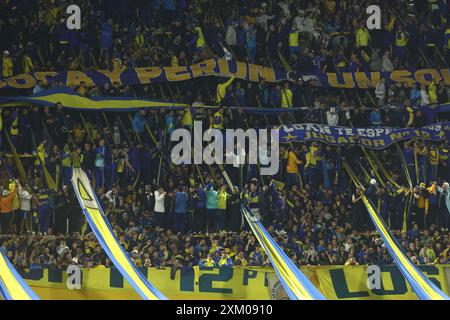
(335, 282)
(350, 282)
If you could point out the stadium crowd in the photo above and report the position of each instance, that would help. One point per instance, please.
(181, 216)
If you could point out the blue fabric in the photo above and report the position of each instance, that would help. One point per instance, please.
(180, 202)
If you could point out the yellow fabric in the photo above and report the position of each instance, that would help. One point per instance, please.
(432, 92)
(390, 25)
(222, 197)
(139, 40)
(311, 156)
(286, 98)
(222, 89)
(400, 39)
(293, 39)
(443, 154)
(362, 37)
(330, 6)
(410, 116)
(448, 40)
(86, 197)
(7, 67)
(66, 161)
(292, 281)
(292, 163)
(10, 281)
(218, 120)
(201, 43)
(174, 61)
(186, 120)
(395, 248)
(14, 131)
(27, 64)
(120, 165)
(434, 156)
(209, 263)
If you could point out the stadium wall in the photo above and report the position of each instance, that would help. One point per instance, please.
(335, 282)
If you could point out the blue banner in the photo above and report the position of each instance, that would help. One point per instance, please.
(224, 68)
(373, 138)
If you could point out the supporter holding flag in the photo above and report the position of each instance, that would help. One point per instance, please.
(222, 90)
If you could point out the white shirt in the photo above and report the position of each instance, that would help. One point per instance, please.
(387, 65)
(111, 198)
(230, 36)
(24, 199)
(159, 202)
(236, 159)
(380, 90)
(332, 118)
(424, 97)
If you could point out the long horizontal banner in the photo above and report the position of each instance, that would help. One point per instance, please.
(223, 68)
(373, 138)
(70, 99)
(335, 282)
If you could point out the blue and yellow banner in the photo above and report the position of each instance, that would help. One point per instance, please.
(295, 283)
(12, 286)
(103, 231)
(373, 138)
(224, 68)
(249, 283)
(71, 100)
(350, 282)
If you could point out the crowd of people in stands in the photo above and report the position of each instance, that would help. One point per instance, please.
(180, 216)
(325, 35)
